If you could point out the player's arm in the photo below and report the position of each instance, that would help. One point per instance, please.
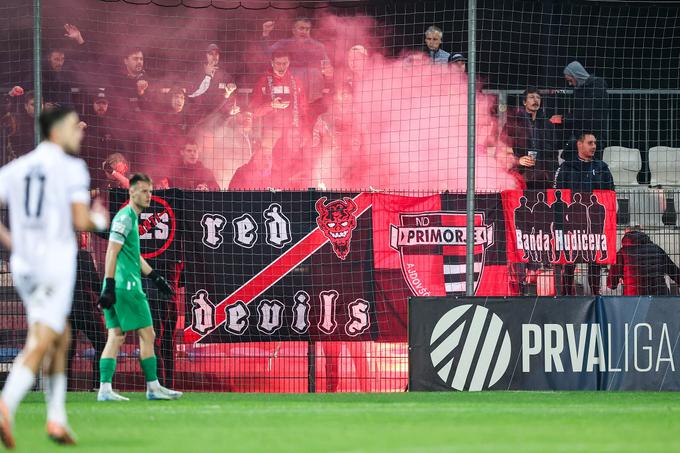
(120, 228)
(108, 296)
(158, 280)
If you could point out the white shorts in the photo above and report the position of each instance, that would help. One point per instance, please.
(47, 301)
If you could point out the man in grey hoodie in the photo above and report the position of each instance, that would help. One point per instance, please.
(590, 110)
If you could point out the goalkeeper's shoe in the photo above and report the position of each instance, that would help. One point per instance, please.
(110, 396)
(162, 393)
(60, 434)
(6, 427)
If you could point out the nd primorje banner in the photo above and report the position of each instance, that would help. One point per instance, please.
(560, 227)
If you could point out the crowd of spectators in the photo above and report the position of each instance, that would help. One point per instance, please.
(135, 120)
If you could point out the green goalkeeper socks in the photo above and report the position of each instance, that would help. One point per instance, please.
(106, 369)
(149, 368)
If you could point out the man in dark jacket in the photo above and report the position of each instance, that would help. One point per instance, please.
(583, 175)
(590, 110)
(531, 136)
(211, 87)
(191, 174)
(641, 265)
(586, 173)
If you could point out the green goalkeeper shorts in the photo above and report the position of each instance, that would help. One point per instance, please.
(130, 312)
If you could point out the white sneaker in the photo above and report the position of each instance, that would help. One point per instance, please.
(163, 393)
(110, 396)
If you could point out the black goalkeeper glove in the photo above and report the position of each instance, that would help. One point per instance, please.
(108, 297)
(161, 283)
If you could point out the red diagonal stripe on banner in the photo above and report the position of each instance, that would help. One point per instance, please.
(274, 272)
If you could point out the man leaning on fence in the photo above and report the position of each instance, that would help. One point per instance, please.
(641, 265)
(583, 175)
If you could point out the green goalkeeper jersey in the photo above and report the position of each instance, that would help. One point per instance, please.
(125, 231)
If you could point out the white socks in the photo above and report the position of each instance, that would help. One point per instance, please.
(153, 386)
(105, 387)
(19, 382)
(55, 397)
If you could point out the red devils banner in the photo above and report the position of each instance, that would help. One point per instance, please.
(558, 227)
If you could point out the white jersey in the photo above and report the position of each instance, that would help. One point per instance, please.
(39, 189)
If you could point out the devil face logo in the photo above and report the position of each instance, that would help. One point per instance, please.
(337, 220)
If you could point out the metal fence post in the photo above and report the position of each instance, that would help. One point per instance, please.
(470, 205)
(37, 99)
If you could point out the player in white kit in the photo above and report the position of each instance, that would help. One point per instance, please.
(47, 193)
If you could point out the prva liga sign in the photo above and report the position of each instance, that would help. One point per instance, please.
(578, 343)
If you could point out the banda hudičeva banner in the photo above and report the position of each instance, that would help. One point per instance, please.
(558, 227)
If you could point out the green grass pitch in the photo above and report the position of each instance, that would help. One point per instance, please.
(410, 422)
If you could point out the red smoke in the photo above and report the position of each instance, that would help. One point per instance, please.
(401, 125)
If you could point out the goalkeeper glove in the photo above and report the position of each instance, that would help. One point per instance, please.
(161, 283)
(108, 296)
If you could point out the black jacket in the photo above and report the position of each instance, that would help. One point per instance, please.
(581, 176)
(642, 265)
(524, 135)
(590, 110)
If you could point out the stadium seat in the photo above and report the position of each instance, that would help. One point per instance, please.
(624, 163)
(664, 164)
(646, 205)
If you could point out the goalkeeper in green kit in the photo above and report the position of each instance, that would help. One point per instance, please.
(125, 305)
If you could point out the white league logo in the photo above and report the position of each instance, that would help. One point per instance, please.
(453, 359)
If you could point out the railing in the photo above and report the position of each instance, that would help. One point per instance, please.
(639, 119)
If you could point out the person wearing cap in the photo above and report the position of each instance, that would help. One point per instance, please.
(458, 60)
(102, 137)
(590, 110)
(212, 87)
(357, 60)
(433, 42)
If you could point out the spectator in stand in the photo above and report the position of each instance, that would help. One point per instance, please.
(279, 99)
(590, 110)
(433, 42)
(57, 82)
(100, 137)
(85, 316)
(191, 174)
(583, 175)
(213, 88)
(22, 138)
(458, 60)
(117, 170)
(333, 137)
(641, 266)
(308, 60)
(129, 87)
(357, 62)
(174, 119)
(532, 138)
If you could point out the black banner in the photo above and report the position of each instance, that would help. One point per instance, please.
(265, 266)
(577, 343)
